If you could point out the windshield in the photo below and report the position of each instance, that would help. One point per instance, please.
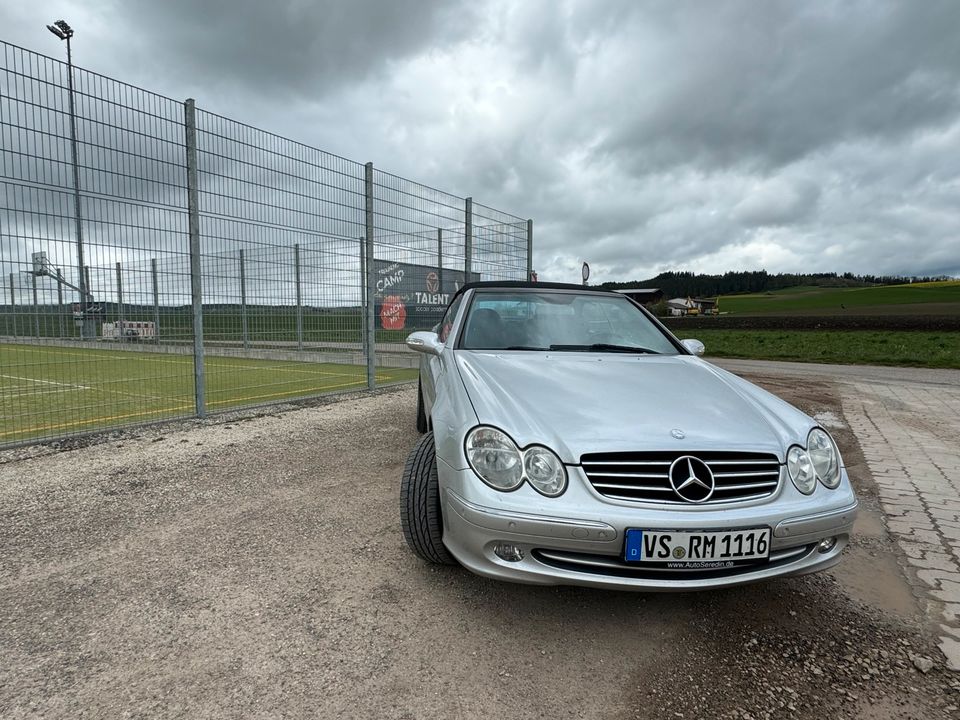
(560, 321)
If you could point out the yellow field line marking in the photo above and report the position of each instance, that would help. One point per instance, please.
(166, 410)
(210, 360)
(282, 394)
(281, 368)
(77, 423)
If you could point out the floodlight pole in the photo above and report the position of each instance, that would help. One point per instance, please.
(88, 328)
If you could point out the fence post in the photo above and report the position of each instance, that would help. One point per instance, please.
(60, 300)
(196, 284)
(296, 270)
(120, 318)
(36, 309)
(156, 301)
(440, 259)
(529, 249)
(363, 297)
(13, 306)
(93, 325)
(370, 279)
(243, 302)
(468, 240)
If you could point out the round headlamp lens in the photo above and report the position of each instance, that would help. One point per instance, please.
(823, 455)
(544, 471)
(801, 471)
(495, 458)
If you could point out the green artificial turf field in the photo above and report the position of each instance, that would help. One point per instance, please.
(49, 391)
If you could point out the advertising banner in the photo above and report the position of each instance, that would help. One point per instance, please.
(413, 297)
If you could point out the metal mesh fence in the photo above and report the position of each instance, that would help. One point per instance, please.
(295, 273)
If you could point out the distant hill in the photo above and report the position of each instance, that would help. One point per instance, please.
(683, 284)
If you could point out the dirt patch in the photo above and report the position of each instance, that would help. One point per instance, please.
(871, 572)
(799, 648)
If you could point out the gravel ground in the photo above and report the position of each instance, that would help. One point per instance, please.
(253, 566)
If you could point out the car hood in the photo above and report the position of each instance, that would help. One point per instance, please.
(580, 403)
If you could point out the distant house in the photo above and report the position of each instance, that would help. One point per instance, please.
(692, 306)
(679, 306)
(644, 296)
(707, 306)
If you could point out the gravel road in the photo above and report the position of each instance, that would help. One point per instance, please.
(253, 566)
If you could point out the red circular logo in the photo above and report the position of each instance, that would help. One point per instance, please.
(433, 282)
(393, 313)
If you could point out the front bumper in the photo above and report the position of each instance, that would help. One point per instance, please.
(578, 539)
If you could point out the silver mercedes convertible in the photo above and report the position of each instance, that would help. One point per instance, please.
(570, 438)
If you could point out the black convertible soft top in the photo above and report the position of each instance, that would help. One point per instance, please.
(526, 285)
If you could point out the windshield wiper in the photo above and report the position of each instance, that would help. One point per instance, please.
(606, 347)
(526, 347)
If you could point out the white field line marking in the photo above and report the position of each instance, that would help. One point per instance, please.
(47, 382)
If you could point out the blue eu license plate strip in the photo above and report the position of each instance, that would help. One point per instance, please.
(634, 551)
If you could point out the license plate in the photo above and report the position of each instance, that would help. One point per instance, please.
(683, 548)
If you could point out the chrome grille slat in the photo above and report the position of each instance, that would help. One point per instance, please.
(660, 476)
(747, 474)
(629, 462)
(738, 476)
(745, 486)
(614, 486)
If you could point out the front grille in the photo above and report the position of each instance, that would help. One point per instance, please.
(644, 476)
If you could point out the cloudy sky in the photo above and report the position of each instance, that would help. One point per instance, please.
(641, 136)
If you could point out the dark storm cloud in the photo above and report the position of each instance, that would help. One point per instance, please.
(288, 48)
(769, 83)
(639, 136)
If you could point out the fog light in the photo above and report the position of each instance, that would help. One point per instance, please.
(827, 544)
(510, 553)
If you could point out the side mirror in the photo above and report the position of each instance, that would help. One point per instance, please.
(694, 346)
(425, 342)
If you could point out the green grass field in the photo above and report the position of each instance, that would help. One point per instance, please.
(48, 391)
(943, 297)
(916, 349)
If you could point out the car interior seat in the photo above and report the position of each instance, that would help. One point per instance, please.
(485, 330)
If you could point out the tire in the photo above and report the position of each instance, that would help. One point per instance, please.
(420, 515)
(421, 414)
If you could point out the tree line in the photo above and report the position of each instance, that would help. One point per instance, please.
(683, 284)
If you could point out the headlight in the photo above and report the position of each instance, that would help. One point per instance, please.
(544, 471)
(800, 468)
(824, 456)
(495, 458)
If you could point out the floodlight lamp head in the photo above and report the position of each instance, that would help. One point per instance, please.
(64, 28)
(56, 31)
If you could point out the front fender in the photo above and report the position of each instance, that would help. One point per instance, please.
(452, 413)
